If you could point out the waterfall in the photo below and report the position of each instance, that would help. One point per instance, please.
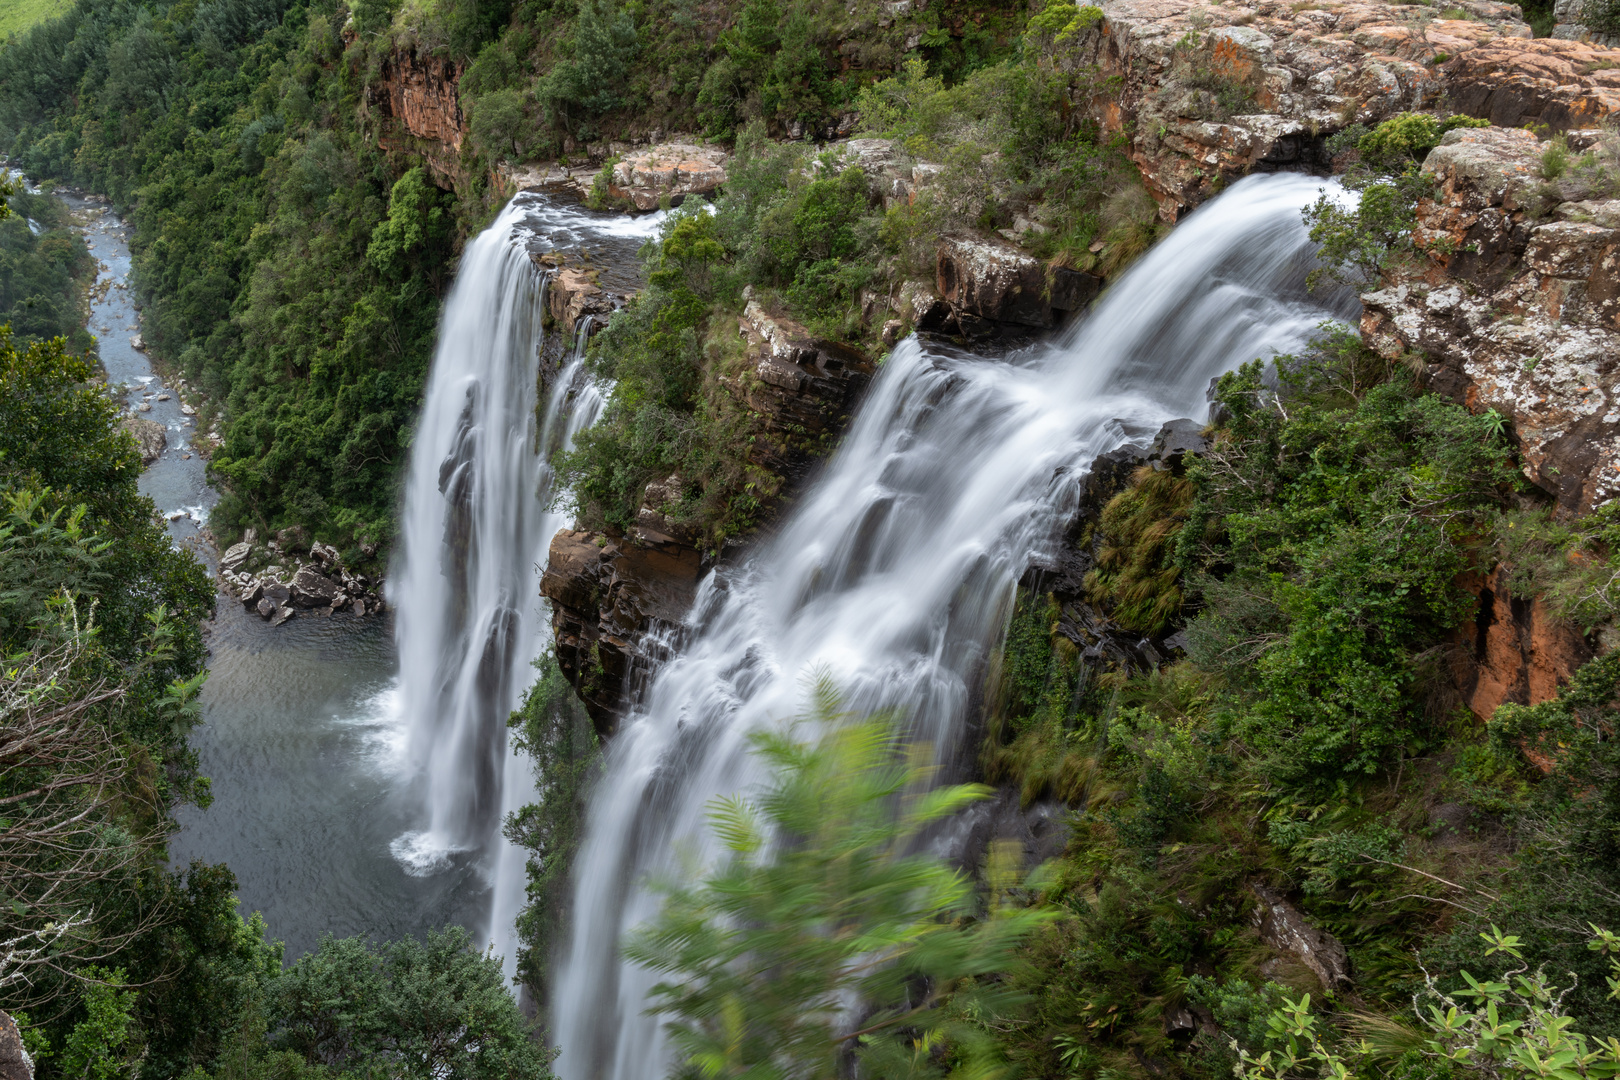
(893, 571)
(474, 531)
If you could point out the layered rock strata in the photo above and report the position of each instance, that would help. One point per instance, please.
(609, 596)
(987, 280)
(1209, 92)
(415, 98)
(1515, 307)
(1557, 85)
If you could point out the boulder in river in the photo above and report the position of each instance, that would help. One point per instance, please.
(264, 606)
(150, 436)
(138, 343)
(235, 556)
(311, 588)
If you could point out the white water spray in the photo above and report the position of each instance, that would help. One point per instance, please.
(475, 529)
(892, 573)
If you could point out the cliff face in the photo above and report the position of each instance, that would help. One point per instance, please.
(1207, 93)
(618, 601)
(415, 98)
(1516, 307)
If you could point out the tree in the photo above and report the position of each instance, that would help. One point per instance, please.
(434, 1010)
(1358, 241)
(592, 81)
(824, 930)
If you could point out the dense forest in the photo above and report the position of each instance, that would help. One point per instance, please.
(1305, 753)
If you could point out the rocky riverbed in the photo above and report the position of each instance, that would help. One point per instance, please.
(281, 577)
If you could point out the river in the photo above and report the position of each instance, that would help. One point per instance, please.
(305, 727)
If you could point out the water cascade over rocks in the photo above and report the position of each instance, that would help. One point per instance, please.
(475, 526)
(894, 572)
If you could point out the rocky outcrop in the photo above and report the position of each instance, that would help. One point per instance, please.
(986, 280)
(1569, 23)
(1516, 307)
(800, 387)
(1104, 645)
(15, 1063)
(1514, 650)
(1562, 85)
(1285, 928)
(573, 293)
(615, 602)
(277, 584)
(1209, 92)
(151, 437)
(672, 171)
(415, 98)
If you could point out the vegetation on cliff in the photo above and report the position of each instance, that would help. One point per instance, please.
(285, 265)
(1309, 744)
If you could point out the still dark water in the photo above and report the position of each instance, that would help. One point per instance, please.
(303, 741)
(301, 734)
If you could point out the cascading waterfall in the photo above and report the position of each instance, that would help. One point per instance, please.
(892, 574)
(475, 527)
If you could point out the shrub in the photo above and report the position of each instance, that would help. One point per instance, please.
(1325, 540)
(823, 898)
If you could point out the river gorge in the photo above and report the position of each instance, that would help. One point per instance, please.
(922, 539)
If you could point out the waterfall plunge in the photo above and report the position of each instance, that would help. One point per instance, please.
(893, 572)
(474, 531)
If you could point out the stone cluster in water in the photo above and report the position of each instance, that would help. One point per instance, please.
(287, 583)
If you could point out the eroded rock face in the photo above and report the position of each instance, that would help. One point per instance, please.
(571, 295)
(801, 387)
(1523, 315)
(986, 279)
(1569, 23)
(1514, 650)
(617, 601)
(417, 95)
(1513, 83)
(609, 596)
(668, 170)
(1211, 92)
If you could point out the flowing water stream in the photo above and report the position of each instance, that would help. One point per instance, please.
(359, 765)
(894, 571)
(360, 776)
(475, 530)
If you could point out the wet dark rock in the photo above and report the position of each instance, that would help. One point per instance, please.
(609, 594)
(987, 280)
(1103, 645)
(310, 588)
